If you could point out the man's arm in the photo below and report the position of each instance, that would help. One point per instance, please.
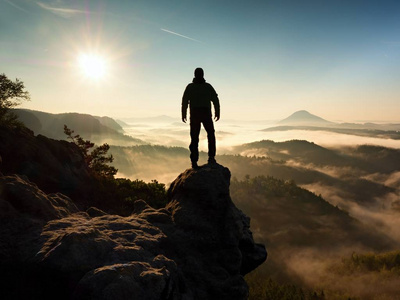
(185, 103)
(215, 102)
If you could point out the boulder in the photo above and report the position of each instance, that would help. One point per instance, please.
(24, 210)
(28, 199)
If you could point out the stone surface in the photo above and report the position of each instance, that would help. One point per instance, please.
(24, 210)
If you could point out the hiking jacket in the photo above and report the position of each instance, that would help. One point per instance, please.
(199, 94)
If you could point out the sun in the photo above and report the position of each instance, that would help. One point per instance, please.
(92, 66)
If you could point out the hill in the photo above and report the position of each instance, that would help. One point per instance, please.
(96, 129)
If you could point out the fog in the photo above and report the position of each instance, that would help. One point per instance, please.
(351, 184)
(362, 182)
(328, 272)
(232, 133)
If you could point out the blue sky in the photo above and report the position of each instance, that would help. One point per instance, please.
(266, 59)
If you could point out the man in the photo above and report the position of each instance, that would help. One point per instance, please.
(198, 96)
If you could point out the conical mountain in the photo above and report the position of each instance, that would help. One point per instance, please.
(304, 118)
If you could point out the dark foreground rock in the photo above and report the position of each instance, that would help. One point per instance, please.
(198, 247)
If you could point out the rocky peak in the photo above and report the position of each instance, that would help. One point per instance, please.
(200, 202)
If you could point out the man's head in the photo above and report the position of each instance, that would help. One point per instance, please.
(199, 73)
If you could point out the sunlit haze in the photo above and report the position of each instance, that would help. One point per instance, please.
(266, 59)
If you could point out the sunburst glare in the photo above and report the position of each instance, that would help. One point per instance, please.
(93, 66)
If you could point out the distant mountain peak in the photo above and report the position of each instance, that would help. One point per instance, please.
(302, 112)
(303, 117)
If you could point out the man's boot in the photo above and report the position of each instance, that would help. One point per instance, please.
(211, 160)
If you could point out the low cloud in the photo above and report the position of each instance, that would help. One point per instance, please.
(321, 271)
(385, 217)
(230, 134)
(393, 180)
(332, 171)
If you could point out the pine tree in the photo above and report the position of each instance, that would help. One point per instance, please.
(96, 158)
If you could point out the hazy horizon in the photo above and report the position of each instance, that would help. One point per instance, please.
(177, 117)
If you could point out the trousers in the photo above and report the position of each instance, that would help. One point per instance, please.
(200, 116)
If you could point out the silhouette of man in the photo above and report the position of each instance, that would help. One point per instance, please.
(198, 96)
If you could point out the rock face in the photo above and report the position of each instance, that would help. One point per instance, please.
(213, 233)
(198, 247)
(55, 166)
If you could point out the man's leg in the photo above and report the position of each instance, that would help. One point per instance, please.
(209, 127)
(195, 126)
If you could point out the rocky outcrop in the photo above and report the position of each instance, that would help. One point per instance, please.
(198, 247)
(213, 233)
